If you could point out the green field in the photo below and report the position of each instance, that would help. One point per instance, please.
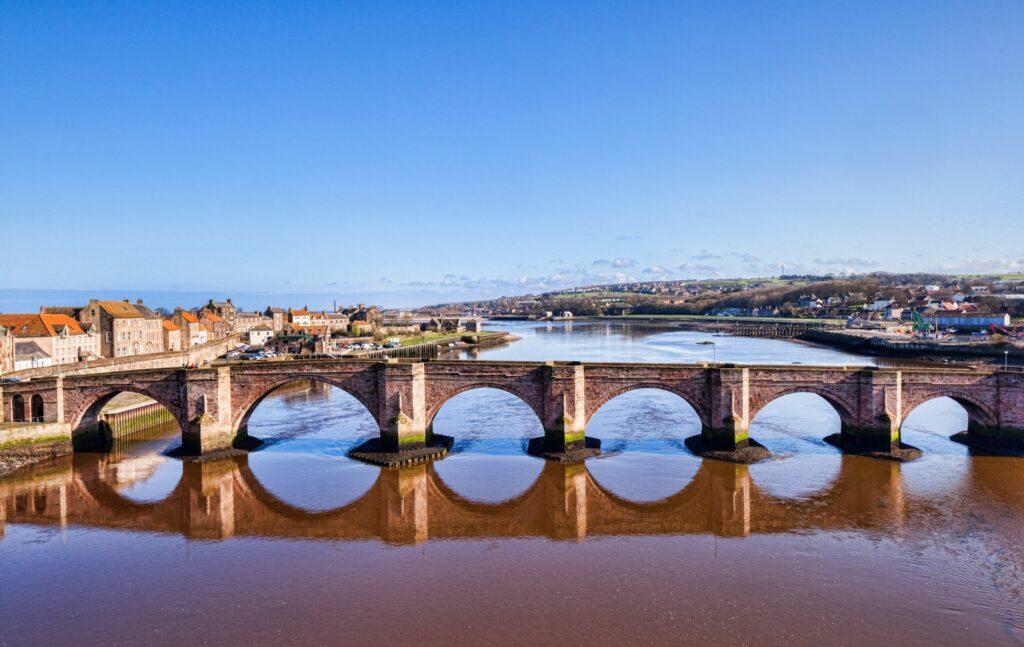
(998, 277)
(437, 336)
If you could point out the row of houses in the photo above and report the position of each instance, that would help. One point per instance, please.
(112, 329)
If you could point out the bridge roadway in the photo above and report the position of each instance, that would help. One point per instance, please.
(212, 405)
(223, 498)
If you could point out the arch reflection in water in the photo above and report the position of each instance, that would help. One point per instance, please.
(941, 467)
(491, 428)
(308, 428)
(643, 457)
(794, 428)
(221, 499)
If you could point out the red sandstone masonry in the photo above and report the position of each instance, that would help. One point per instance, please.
(215, 403)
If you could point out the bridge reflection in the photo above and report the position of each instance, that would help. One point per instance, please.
(222, 499)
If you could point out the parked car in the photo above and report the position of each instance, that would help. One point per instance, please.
(9, 380)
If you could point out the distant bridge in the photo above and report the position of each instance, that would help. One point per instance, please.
(212, 405)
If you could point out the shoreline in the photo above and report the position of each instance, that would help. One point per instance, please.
(824, 333)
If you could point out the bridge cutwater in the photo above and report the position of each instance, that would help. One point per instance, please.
(212, 405)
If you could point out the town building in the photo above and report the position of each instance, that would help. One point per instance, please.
(214, 324)
(152, 329)
(278, 318)
(445, 325)
(966, 321)
(192, 332)
(29, 354)
(172, 336)
(246, 321)
(331, 320)
(121, 327)
(299, 317)
(6, 350)
(60, 337)
(225, 310)
(260, 335)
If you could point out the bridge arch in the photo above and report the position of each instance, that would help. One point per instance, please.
(38, 409)
(979, 414)
(85, 420)
(251, 401)
(846, 410)
(17, 408)
(605, 398)
(435, 407)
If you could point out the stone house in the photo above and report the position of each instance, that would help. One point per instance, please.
(445, 325)
(333, 321)
(172, 336)
(246, 321)
(260, 335)
(214, 324)
(192, 332)
(278, 318)
(402, 326)
(152, 328)
(225, 310)
(299, 317)
(60, 337)
(121, 328)
(6, 350)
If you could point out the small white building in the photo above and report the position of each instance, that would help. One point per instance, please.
(260, 335)
(879, 305)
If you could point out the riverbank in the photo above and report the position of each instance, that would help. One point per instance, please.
(832, 333)
(882, 345)
(19, 454)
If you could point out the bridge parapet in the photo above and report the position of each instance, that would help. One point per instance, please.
(212, 405)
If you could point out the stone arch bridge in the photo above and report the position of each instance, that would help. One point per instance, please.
(212, 405)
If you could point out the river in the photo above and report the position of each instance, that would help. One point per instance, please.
(297, 544)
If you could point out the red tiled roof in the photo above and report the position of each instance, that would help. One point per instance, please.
(212, 317)
(189, 317)
(54, 321)
(169, 325)
(30, 325)
(39, 325)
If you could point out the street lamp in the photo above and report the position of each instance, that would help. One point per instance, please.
(1006, 360)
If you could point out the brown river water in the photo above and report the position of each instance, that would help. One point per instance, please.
(647, 544)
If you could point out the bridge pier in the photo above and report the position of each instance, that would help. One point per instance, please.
(564, 416)
(406, 436)
(405, 510)
(565, 498)
(999, 440)
(208, 412)
(211, 498)
(727, 437)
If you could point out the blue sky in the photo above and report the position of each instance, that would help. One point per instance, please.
(417, 150)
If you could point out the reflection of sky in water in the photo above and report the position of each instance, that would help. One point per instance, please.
(144, 473)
